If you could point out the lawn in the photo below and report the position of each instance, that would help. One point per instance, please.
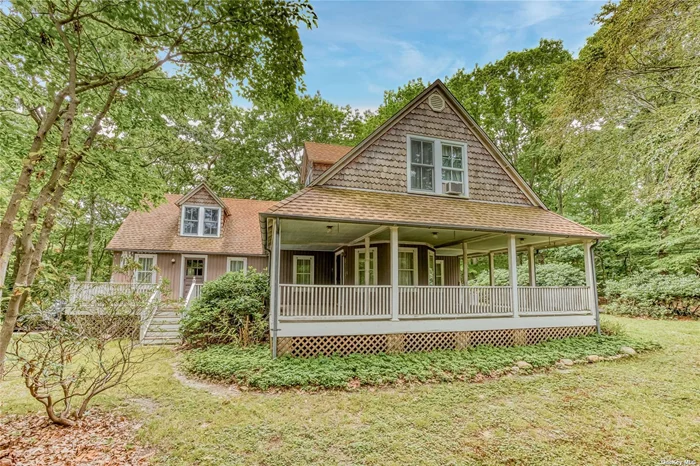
(639, 410)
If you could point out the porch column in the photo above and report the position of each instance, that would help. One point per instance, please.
(513, 273)
(367, 261)
(531, 264)
(394, 253)
(465, 263)
(274, 283)
(590, 275)
(492, 280)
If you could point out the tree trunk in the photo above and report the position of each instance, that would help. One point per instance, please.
(91, 242)
(5, 261)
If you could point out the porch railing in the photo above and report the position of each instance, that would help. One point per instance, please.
(455, 301)
(553, 300)
(194, 293)
(88, 291)
(335, 301)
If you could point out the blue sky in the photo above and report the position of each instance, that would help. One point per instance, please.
(361, 48)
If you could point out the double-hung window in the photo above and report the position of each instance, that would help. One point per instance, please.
(303, 270)
(200, 221)
(237, 264)
(408, 266)
(361, 265)
(440, 272)
(146, 273)
(437, 166)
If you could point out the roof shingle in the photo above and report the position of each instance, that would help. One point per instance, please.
(327, 154)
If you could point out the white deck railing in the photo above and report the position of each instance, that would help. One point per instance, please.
(349, 302)
(553, 300)
(88, 291)
(335, 301)
(194, 293)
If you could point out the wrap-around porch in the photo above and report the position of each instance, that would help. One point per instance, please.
(415, 280)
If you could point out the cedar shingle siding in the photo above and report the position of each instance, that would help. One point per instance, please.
(202, 197)
(382, 166)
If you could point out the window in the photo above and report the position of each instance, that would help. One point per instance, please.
(200, 221)
(146, 272)
(361, 263)
(440, 272)
(237, 264)
(194, 268)
(450, 164)
(303, 270)
(408, 267)
(431, 267)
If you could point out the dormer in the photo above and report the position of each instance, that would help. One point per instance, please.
(202, 213)
(318, 158)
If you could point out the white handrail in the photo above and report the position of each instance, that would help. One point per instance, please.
(190, 293)
(147, 318)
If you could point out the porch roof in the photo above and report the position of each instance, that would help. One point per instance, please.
(348, 205)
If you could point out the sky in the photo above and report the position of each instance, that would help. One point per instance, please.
(361, 48)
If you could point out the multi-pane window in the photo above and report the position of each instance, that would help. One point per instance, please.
(440, 272)
(194, 268)
(422, 165)
(236, 264)
(407, 267)
(201, 221)
(452, 163)
(146, 272)
(303, 270)
(431, 267)
(362, 264)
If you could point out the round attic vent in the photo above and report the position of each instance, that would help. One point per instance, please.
(436, 102)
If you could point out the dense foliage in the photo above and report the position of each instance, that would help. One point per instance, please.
(231, 309)
(553, 274)
(654, 295)
(253, 367)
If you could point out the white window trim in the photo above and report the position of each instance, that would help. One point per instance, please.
(437, 163)
(155, 263)
(239, 259)
(431, 260)
(183, 260)
(200, 225)
(372, 251)
(296, 258)
(415, 263)
(340, 253)
(440, 263)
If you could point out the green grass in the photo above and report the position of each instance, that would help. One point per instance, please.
(254, 368)
(639, 410)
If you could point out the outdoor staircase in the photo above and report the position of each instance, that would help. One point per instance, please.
(164, 328)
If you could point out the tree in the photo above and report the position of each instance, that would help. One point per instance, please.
(77, 68)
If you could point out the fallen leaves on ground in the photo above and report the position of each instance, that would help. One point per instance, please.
(98, 439)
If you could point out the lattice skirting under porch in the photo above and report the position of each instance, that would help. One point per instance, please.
(115, 326)
(413, 342)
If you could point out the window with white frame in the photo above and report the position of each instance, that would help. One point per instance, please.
(361, 264)
(200, 221)
(408, 266)
(440, 272)
(445, 173)
(146, 273)
(237, 264)
(303, 270)
(431, 267)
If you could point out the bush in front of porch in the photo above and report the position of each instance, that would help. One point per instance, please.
(253, 367)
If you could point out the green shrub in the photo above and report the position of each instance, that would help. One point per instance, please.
(650, 294)
(254, 367)
(611, 327)
(553, 274)
(231, 309)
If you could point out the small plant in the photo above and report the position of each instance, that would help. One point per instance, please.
(231, 309)
(610, 327)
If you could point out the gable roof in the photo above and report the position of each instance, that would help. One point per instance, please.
(460, 111)
(351, 205)
(158, 230)
(209, 191)
(327, 154)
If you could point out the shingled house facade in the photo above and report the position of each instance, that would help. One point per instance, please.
(372, 255)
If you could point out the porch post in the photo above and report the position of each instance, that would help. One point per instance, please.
(465, 263)
(531, 264)
(492, 279)
(513, 273)
(274, 283)
(367, 261)
(590, 276)
(394, 247)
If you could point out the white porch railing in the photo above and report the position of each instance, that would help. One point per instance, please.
(348, 302)
(335, 301)
(553, 300)
(455, 301)
(148, 312)
(194, 293)
(88, 291)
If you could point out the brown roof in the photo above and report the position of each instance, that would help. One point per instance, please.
(327, 154)
(425, 210)
(158, 230)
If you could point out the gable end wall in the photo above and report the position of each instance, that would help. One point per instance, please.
(382, 166)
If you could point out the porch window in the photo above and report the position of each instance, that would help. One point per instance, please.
(440, 272)
(430, 156)
(303, 270)
(422, 165)
(408, 266)
(200, 221)
(431, 267)
(237, 264)
(361, 263)
(146, 272)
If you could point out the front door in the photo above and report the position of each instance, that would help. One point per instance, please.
(194, 272)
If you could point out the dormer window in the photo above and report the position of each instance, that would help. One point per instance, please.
(437, 166)
(200, 221)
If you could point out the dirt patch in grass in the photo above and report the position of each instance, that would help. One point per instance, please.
(213, 388)
(99, 439)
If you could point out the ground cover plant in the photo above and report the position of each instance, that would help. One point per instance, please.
(253, 367)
